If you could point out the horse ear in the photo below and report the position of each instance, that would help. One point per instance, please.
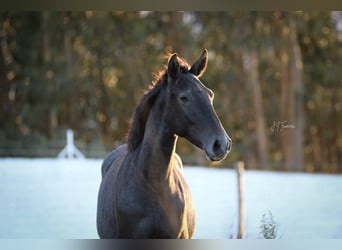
(173, 67)
(200, 65)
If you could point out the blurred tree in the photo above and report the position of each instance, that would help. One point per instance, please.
(252, 72)
(320, 41)
(87, 70)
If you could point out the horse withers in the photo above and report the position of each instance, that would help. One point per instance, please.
(143, 193)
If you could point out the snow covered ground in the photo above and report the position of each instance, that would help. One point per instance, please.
(48, 198)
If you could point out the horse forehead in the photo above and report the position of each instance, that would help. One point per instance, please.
(192, 83)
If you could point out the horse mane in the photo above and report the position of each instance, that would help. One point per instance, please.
(142, 111)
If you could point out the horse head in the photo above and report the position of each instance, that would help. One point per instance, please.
(191, 113)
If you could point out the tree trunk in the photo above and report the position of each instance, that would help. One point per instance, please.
(247, 155)
(46, 54)
(296, 71)
(286, 113)
(251, 67)
(175, 37)
(69, 85)
(5, 59)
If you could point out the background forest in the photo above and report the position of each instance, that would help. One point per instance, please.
(276, 77)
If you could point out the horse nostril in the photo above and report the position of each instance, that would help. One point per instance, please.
(217, 146)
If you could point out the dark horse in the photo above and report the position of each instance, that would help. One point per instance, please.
(143, 193)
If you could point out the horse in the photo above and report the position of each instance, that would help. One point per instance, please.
(143, 192)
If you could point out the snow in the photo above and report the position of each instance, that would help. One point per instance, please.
(56, 199)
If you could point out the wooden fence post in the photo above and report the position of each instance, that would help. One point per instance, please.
(240, 168)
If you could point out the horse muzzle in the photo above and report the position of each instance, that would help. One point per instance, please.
(218, 149)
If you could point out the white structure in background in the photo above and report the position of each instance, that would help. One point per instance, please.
(70, 150)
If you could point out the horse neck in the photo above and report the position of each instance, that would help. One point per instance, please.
(158, 147)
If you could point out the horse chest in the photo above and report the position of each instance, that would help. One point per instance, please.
(169, 215)
(156, 212)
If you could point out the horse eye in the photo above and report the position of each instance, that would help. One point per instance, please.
(183, 98)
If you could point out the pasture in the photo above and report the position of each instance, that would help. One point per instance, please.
(56, 199)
